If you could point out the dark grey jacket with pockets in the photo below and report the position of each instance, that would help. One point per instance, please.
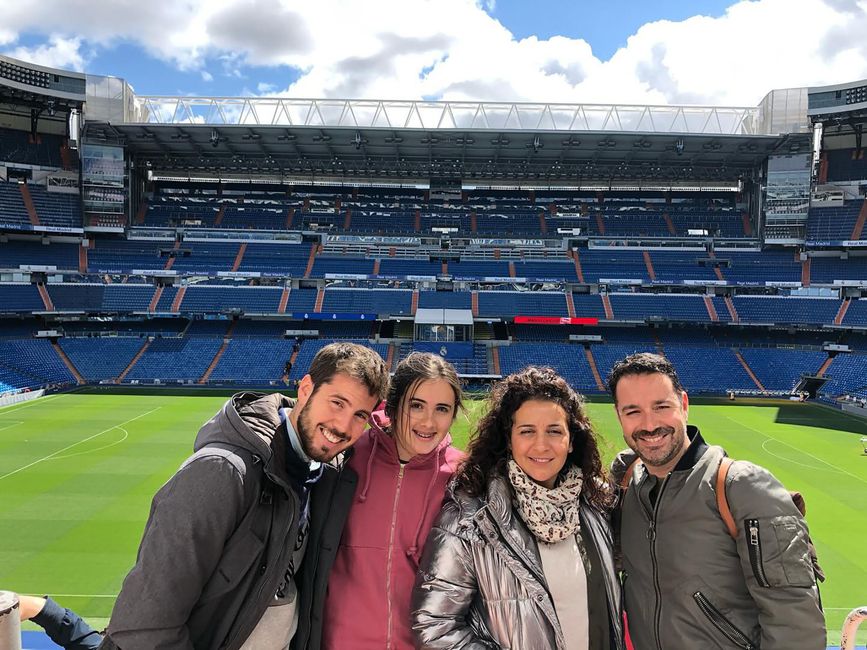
(219, 537)
(688, 584)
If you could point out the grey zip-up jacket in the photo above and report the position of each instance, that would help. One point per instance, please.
(688, 584)
(480, 582)
(218, 540)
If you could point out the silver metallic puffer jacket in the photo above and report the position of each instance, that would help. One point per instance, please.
(480, 582)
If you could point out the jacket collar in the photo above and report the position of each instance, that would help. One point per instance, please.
(696, 449)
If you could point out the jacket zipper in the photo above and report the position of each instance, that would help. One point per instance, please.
(755, 549)
(389, 556)
(721, 623)
(651, 535)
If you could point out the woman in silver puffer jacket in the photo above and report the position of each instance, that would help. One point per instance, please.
(521, 554)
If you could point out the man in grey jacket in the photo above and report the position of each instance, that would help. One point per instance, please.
(227, 533)
(687, 582)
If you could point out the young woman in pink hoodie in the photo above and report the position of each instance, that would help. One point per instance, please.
(403, 466)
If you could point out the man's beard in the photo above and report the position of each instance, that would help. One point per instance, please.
(676, 441)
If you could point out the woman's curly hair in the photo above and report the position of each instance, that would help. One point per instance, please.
(488, 452)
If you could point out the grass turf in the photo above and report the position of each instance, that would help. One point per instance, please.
(77, 473)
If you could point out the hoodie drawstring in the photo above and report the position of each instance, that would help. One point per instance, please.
(413, 550)
(363, 496)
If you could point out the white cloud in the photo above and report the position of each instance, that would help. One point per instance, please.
(207, 76)
(58, 52)
(455, 49)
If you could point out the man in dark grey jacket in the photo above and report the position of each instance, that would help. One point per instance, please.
(687, 582)
(227, 533)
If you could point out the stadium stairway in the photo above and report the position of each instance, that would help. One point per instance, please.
(495, 360)
(138, 355)
(748, 227)
(578, 270)
(311, 259)
(68, 362)
(152, 307)
(179, 298)
(320, 298)
(669, 224)
(844, 307)
(142, 213)
(593, 368)
(239, 257)
(284, 300)
(227, 338)
(82, 259)
(570, 304)
(393, 355)
(824, 367)
(805, 272)
(28, 204)
(649, 264)
(46, 298)
(858, 229)
(711, 310)
(749, 370)
(732, 311)
(606, 303)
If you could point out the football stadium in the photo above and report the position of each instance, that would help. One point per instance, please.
(160, 253)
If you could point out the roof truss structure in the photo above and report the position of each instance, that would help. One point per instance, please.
(476, 116)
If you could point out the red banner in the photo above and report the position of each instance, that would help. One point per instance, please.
(554, 320)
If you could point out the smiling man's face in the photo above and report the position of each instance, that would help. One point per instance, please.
(331, 417)
(653, 417)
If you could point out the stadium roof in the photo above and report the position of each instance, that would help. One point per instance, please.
(466, 153)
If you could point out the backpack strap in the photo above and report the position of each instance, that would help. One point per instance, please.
(626, 479)
(722, 502)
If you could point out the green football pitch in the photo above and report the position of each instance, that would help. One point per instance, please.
(77, 472)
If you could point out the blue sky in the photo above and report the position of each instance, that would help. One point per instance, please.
(668, 51)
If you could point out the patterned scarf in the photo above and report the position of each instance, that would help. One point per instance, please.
(550, 514)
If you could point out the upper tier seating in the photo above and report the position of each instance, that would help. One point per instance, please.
(786, 309)
(309, 348)
(634, 306)
(378, 301)
(15, 297)
(18, 147)
(507, 304)
(834, 223)
(846, 165)
(13, 214)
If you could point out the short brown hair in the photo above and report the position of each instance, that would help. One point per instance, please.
(353, 360)
(642, 363)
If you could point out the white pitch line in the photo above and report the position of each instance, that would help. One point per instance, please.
(90, 451)
(9, 426)
(783, 442)
(794, 462)
(60, 451)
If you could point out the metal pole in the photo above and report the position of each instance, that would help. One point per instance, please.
(850, 627)
(10, 622)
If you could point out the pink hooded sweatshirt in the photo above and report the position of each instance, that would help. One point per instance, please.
(370, 584)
